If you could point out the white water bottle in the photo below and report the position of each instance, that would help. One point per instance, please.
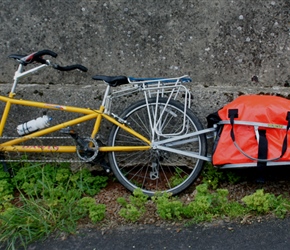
(33, 125)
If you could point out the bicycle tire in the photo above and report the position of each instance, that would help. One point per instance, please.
(174, 172)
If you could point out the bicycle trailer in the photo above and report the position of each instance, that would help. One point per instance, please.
(252, 130)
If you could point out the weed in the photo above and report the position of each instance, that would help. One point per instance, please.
(85, 182)
(213, 176)
(168, 207)
(6, 190)
(259, 201)
(50, 199)
(136, 208)
(263, 203)
(130, 213)
(177, 178)
(96, 211)
(199, 208)
(32, 179)
(37, 218)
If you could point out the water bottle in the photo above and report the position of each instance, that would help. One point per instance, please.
(33, 125)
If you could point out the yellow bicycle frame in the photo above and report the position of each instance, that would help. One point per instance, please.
(87, 114)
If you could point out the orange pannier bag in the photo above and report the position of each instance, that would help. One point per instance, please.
(252, 129)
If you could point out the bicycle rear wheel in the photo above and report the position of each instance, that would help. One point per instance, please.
(157, 170)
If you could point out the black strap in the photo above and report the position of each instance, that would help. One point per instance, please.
(233, 113)
(262, 148)
(285, 141)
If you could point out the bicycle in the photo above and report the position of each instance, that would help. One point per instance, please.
(155, 144)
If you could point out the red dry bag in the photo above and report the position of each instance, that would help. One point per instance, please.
(252, 130)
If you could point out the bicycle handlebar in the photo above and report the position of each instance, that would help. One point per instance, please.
(38, 57)
(70, 67)
(45, 52)
(34, 57)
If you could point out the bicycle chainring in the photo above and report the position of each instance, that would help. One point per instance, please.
(90, 151)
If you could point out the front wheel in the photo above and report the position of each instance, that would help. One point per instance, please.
(158, 170)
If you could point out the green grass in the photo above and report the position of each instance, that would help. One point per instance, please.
(45, 198)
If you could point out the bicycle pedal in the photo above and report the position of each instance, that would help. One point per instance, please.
(105, 166)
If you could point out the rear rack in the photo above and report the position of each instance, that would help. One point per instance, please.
(170, 88)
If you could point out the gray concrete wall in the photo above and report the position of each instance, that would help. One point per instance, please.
(221, 44)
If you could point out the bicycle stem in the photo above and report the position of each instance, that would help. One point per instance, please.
(19, 73)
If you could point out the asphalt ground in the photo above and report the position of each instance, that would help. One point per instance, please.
(270, 234)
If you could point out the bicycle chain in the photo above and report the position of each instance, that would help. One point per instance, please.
(43, 138)
(41, 160)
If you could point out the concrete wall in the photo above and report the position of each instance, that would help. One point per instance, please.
(221, 44)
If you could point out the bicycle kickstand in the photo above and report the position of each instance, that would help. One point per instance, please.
(5, 166)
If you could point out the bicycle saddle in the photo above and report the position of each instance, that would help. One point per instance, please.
(113, 81)
(17, 56)
(26, 59)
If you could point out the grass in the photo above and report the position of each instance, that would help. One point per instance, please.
(44, 198)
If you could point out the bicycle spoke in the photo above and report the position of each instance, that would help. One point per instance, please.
(172, 166)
